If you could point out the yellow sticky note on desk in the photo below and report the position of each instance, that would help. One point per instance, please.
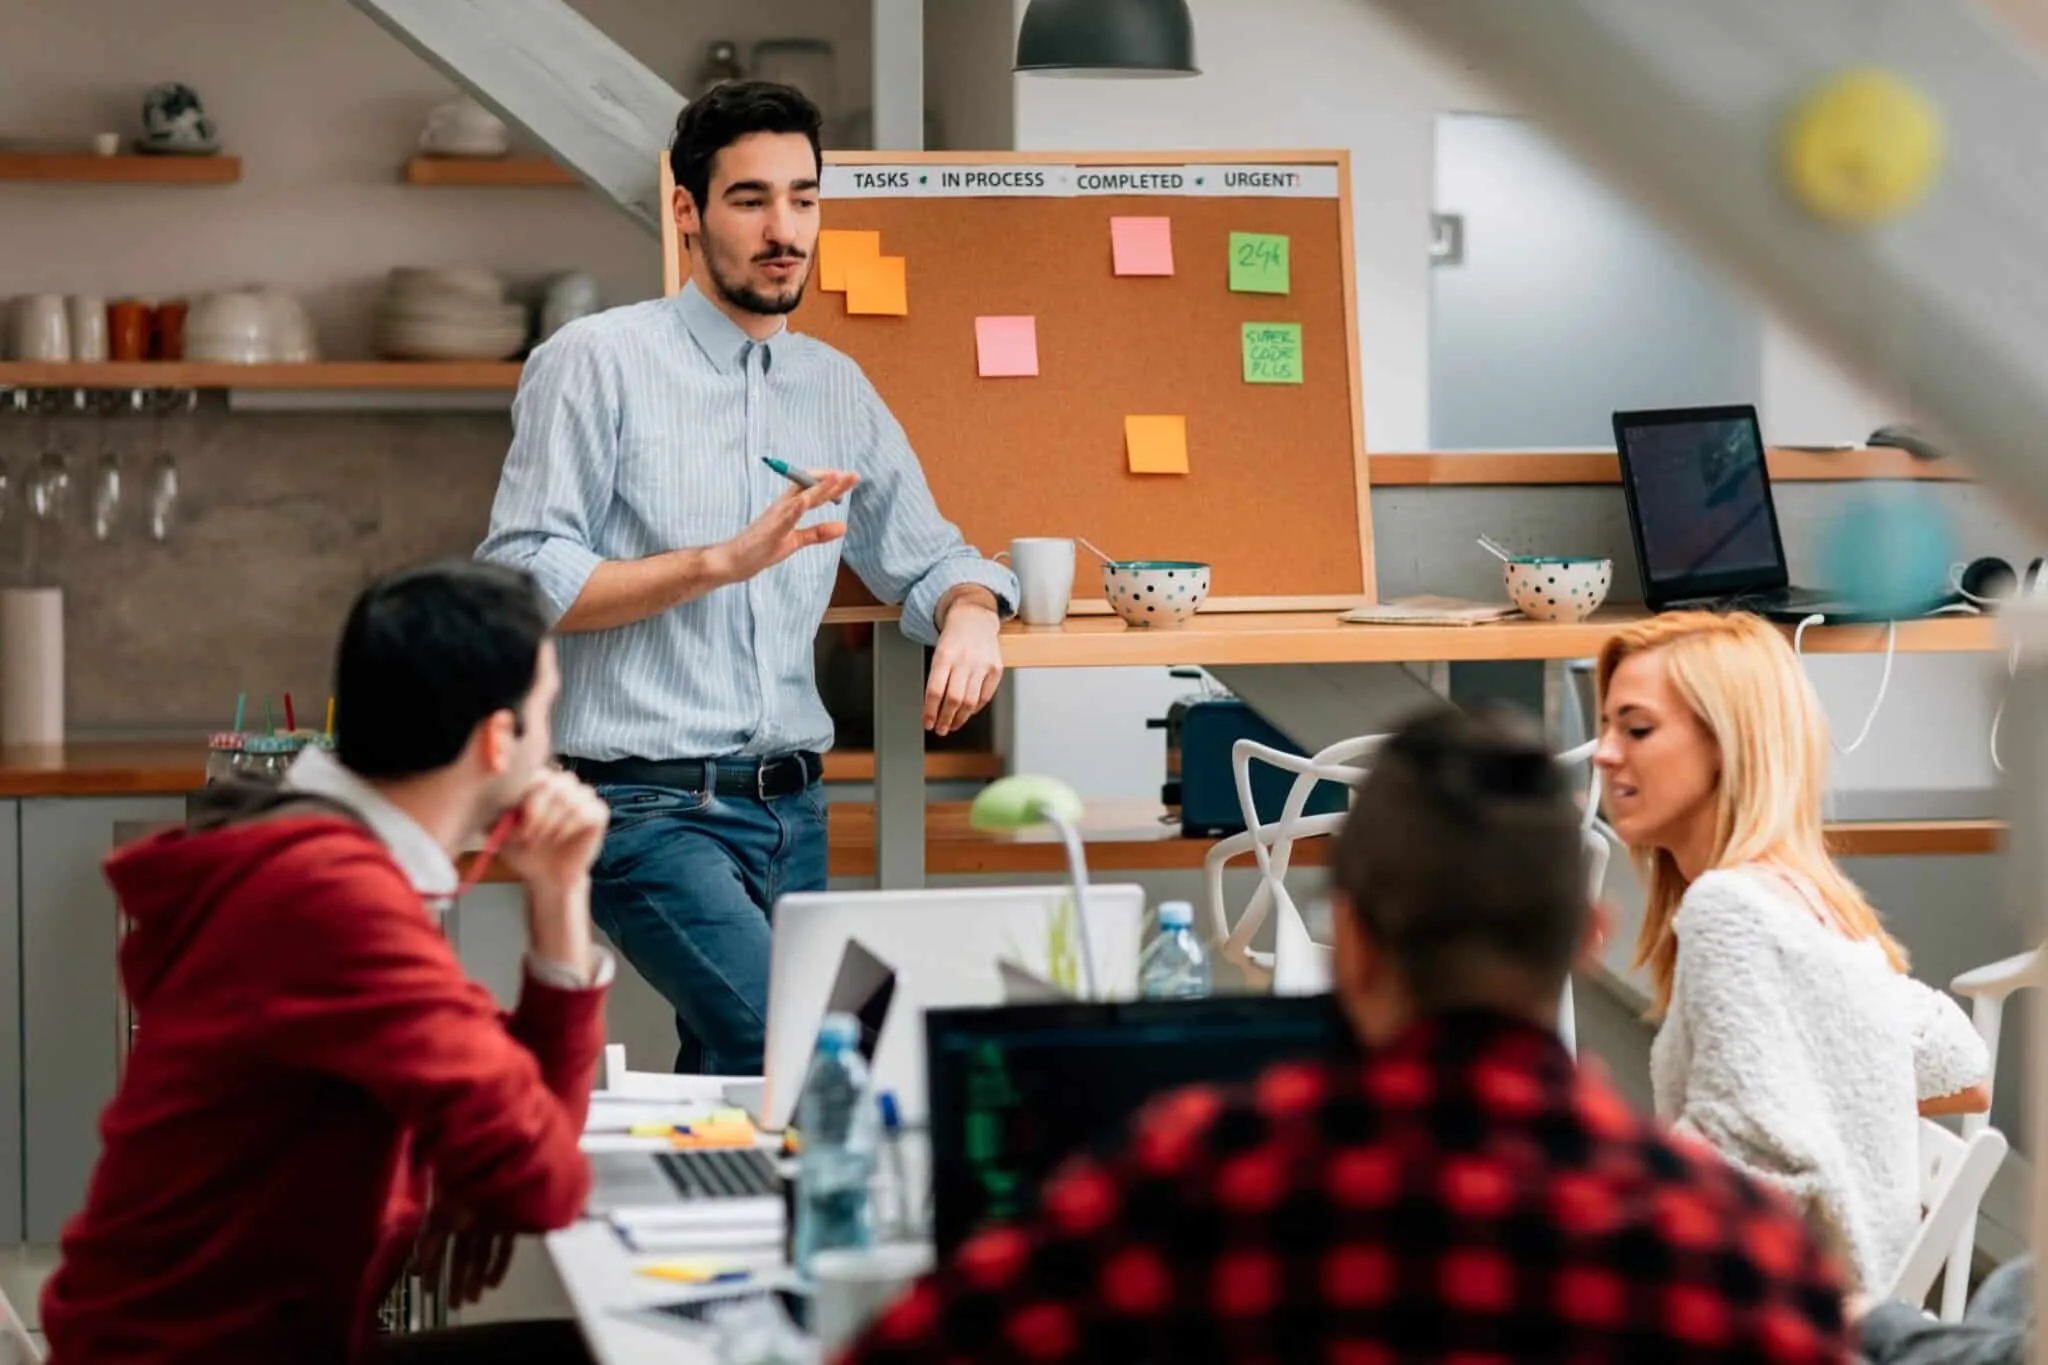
(877, 287)
(1156, 445)
(838, 249)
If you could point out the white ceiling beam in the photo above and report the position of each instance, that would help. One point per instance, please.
(544, 68)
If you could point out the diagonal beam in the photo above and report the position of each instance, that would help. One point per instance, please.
(544, 68)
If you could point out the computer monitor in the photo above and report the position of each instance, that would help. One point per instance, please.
(1016, 1091)
(1699, 503)
(940, 947)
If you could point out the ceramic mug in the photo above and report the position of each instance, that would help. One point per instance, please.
(88, 327)
(1044, 566)
(42, 328)
(852, 1287)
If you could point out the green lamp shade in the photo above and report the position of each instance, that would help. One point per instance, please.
(1023, 801)
(1107, 38)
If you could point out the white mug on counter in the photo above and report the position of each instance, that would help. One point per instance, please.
(1044, 566)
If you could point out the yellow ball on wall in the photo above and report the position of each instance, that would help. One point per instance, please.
(1862, 147)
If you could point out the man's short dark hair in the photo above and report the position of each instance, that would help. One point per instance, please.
(1464, 861)
(427, 655)
(725, 114)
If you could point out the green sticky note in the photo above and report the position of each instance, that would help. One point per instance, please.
(1258, 263)
(1272, 353)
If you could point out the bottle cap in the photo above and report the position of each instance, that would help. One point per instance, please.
(1176, 914)
(838, 1032)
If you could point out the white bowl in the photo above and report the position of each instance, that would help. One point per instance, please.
(1155, 592)
(1562, 588)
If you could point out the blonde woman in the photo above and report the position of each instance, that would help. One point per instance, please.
(1791, 1039)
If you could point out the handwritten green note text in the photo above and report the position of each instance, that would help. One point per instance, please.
(1272, 353)
(1258, 263)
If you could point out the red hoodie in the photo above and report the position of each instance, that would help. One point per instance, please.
(308, 1048)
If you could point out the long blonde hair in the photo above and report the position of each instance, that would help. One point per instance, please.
(1747, 688)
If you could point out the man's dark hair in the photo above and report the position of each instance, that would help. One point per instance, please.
(725, 114)
(427, 655)
(1464, 861)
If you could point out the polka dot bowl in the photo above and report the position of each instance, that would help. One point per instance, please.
(1566, 589)
(1155, 592)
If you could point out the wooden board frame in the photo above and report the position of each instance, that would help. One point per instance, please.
(673, 273)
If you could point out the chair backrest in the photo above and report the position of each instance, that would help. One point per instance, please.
(1954, 1174)
(17, 1347)
(1987, 988)
(1298, 964)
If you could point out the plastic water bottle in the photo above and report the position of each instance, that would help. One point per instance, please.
(836, 1121)
(1174, 966)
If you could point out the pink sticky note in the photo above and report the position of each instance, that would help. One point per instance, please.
(1006, 347)
(1142, 246)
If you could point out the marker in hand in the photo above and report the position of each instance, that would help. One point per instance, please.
(792, 473)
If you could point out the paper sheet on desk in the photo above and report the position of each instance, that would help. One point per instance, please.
(1430, 611)
(621, 1116)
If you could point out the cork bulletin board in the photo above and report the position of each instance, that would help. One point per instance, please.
(1275, 493)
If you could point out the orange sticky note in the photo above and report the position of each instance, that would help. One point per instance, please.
(840, 247)
(877, 287)
(1142, 246)
(1006, 347)
(1156, 445)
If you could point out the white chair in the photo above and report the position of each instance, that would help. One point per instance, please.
(1986, 988)
(1954, 1173)
(17, 1347)
(1298, 965)
(1272, 845)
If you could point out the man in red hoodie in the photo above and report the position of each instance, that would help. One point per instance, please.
(310, 1056)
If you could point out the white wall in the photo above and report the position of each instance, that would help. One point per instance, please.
(323, 106)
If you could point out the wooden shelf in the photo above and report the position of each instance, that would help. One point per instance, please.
(516, 172)
(1520, 468)
(83, 168)
(328, 374)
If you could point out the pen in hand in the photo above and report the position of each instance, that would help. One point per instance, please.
(799, 477)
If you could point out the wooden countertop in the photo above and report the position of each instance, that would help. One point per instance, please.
(172, 768)
(1133, 836)
(1321, 637)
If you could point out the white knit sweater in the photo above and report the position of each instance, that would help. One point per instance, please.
(1801, 1056)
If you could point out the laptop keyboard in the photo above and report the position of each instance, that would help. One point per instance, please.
(720, 1173)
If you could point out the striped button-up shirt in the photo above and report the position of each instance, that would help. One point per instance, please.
(642, 430)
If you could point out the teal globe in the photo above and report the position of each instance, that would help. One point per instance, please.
(1889, 553)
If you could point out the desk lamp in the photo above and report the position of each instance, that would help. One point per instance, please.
(1024, 800)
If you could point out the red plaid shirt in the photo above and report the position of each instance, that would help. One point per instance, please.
(1466, 1194)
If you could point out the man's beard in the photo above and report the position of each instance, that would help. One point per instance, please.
(744, 296)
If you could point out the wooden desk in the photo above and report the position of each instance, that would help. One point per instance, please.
(1321, 637)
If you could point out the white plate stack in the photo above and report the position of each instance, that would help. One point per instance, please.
(448, 314)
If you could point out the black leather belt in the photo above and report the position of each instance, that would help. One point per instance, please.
(762, 779)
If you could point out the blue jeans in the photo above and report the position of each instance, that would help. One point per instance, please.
(684, 886)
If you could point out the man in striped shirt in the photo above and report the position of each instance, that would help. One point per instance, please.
(689, 579)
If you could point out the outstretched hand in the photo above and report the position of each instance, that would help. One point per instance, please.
(775, 535)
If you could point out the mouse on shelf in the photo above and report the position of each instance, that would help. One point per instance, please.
(1909, 439)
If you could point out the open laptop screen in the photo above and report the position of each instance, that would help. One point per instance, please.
(1016, 1091)
(1699, 499)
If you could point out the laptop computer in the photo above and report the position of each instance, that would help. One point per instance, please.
(1016, 1090)
(660, 1187)
(1704, 523)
